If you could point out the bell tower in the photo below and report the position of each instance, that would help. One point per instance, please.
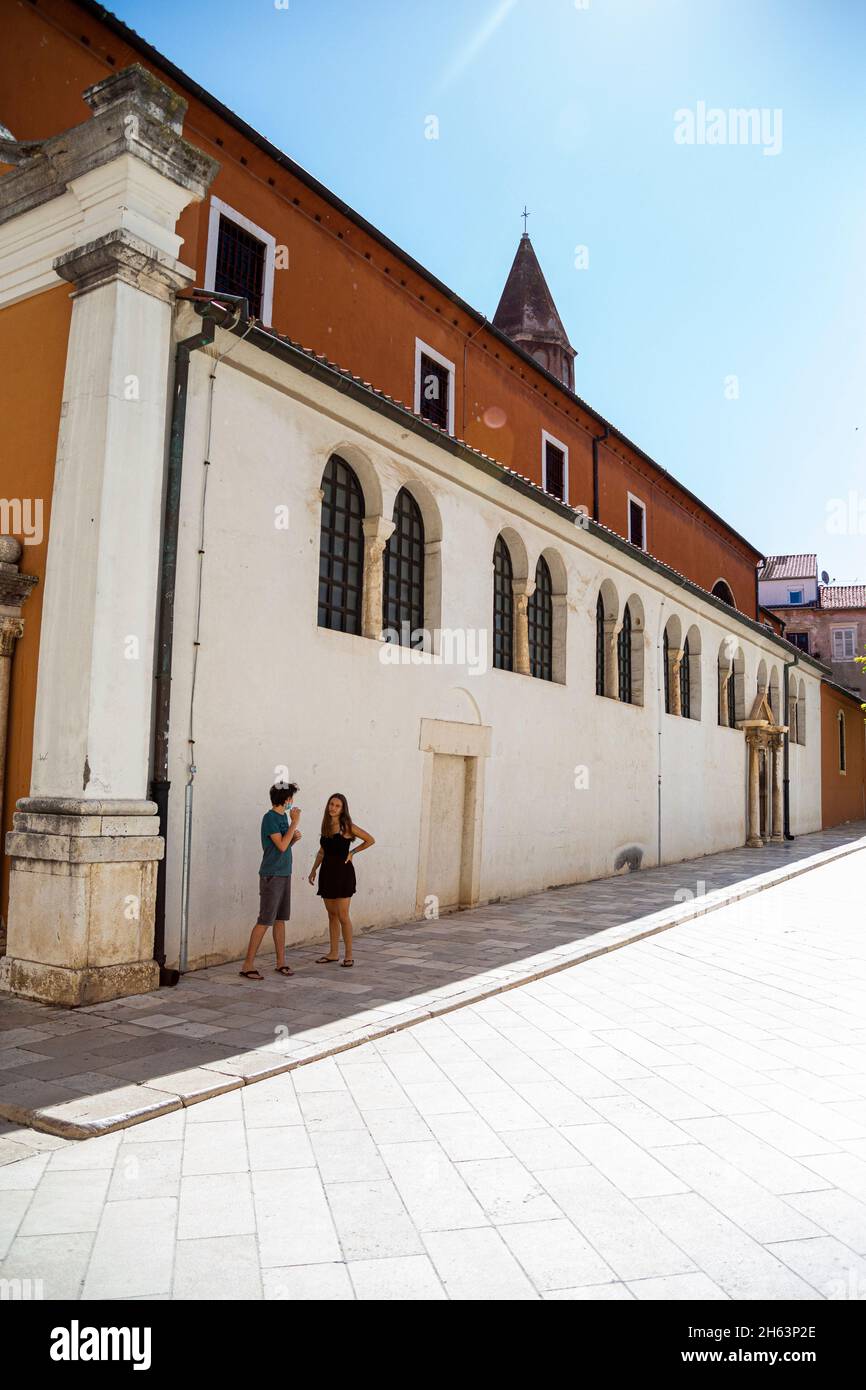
(527, 314)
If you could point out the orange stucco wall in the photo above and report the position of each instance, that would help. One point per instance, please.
(33, 337)
(843, 794)
(346, 295)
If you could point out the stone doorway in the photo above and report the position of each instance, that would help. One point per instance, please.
(765, 741)
(452, 815)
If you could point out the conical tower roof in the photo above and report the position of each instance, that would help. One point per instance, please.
(526, 311)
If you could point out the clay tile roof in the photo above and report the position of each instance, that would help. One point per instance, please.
(526, 308)
(842, 596)
(790, 567)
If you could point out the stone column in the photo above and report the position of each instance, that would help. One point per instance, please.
(675, 656)
(611, 659)
(377, 533)
(723, 697)
(754, 840)
(523, 591)
(776, 771)
(85, 844)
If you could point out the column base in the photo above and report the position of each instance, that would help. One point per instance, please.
(68, 988)
(754, 843)
(82, 893)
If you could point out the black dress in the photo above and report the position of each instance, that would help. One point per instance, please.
(336, 877)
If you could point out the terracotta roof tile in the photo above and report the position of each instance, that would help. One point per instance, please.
(842, 596)
(789, 567)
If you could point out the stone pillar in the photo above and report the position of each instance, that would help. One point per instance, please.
(611, 659)
(754, 840)
(723, 696)
(85, 844)
(523, 591)
(776, 771)
(675, 656)
(377, 533)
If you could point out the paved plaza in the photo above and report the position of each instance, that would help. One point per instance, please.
(684, 1117)
(102, 1067)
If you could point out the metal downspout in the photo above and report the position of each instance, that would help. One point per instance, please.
(160, 784)
(596, 440)
(786, 757)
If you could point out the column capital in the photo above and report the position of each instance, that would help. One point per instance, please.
(119, 255)
(378, 530)
(133, 113)
(15, 587)
(10, 631)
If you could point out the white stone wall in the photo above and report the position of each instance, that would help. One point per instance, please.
(774, 593)
(273, 689)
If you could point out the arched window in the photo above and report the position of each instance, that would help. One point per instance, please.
(599, 646)
(341, 548)
(503, 607)
(801, 712)
(623, 651)
(666, 663)
(540, 616)
(686, 682)
(843, 763)
(403, 573)
(732, 699)
(722, 590)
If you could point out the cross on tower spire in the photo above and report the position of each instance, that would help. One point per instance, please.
(525, 215)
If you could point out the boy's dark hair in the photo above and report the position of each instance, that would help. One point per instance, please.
(281, 791)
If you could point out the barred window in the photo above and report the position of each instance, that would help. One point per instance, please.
(843, 757)
(732, 699)
(403, 578)
(623, 647)
(554, 470)
(540, 617)
(503, 607)
(599, 646)
(240, 264)
(435, 388)
(686, 682)
(341, 548)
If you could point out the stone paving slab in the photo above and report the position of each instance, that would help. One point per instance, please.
(680, 1120)
(109, 1066)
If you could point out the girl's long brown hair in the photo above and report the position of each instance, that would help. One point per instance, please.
(345, 818)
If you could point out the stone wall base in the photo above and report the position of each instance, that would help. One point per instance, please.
(70, 988)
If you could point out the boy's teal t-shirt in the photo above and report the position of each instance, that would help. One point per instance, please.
(273, 862)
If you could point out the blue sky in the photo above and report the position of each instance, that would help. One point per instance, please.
(707, 262)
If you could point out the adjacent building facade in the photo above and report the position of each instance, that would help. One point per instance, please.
(305, 514)
(826, 620)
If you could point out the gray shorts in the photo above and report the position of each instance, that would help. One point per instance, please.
(275, 899)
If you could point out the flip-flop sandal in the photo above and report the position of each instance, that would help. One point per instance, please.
(251, 974)
(347, 964)
(327, 960)
(283, 970)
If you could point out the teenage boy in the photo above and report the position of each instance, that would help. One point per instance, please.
(279, 832)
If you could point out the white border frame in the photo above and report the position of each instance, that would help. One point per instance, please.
(220, 209)
(546, 439)
(428, 351)
(843, 627)
(632, 498)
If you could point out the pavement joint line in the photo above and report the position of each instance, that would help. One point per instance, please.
(554, 962)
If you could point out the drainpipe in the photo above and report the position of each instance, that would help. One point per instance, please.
(786, 759)
(160, 784)
(660, 708)
(596, 440)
